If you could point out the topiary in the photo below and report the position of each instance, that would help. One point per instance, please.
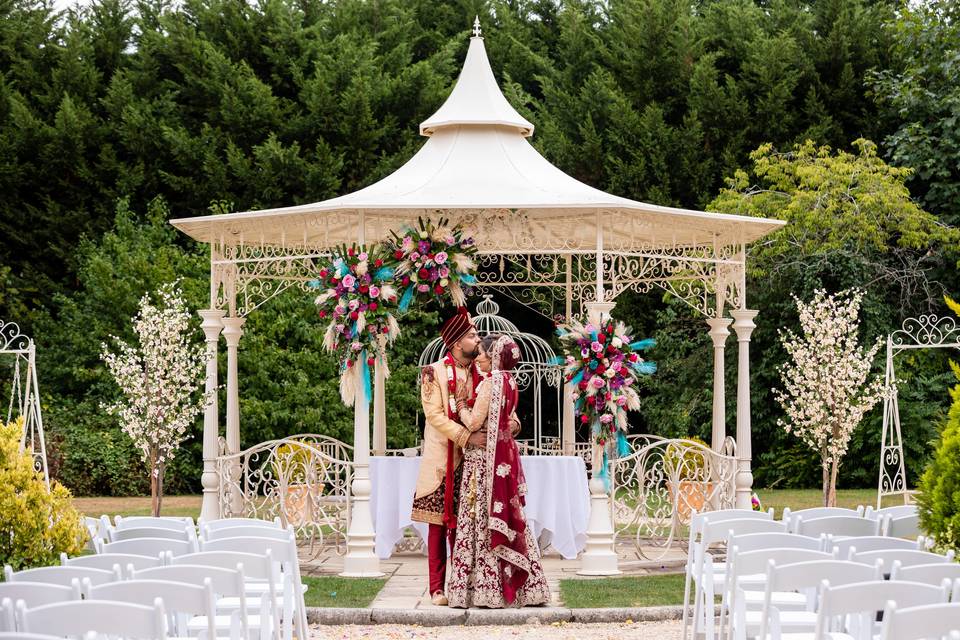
(37, 524)
(939, 491)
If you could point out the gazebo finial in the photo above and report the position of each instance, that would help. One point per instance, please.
(476, 27)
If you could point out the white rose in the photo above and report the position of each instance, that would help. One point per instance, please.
(616, 342)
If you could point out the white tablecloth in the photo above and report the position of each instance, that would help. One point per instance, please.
(558, 501)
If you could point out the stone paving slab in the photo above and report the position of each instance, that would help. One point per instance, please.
(556, 631)
(444, 616)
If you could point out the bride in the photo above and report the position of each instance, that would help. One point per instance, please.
(496, 561)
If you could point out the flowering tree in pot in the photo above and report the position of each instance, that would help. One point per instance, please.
(827, 387)
(160, 379)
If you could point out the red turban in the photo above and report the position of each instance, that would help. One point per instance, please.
(456, 327)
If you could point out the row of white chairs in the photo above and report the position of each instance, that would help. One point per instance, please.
(844, 534)
(270, 578)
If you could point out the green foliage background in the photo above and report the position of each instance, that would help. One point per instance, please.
(119, 116)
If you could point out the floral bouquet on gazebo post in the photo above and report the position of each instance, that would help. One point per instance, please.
(358, 301)
(433, 261)
(603, 365)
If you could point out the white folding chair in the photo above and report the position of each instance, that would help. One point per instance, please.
(227, 523)
(59, 575)
(709, 580)
(232, 597)
(925, 621)
(37, 594)
(837, 526)
(170, 522)
(853, 608)
(907, 526)
(107, 561)
(271, 533)
(106, 618)
(150, 546)
(846, 546)
(792, 518)
(745, 595)
(20, 635)
(131, 533)
(181, 601)
(804, 577)
(906, 558)
(284, 553)
(697, 520)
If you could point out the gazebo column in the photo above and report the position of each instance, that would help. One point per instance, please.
(568, 432)
(599, 558)
(719, 330)
(379, 410)
(232, 331)
(744, 326)
(361, 561)
(210, 509)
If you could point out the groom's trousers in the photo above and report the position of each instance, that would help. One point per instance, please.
(437, 556)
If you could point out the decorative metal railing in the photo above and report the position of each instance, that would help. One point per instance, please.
(304, 480)
(656, 488)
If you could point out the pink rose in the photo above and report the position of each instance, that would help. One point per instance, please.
(596, 346)
(423, 288)
(597, 382)
(444, 272)
(414, 256)
(349, 281)
(440, 258)
(374, 291)
(606, 418)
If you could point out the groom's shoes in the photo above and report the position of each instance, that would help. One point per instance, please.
(439, 599)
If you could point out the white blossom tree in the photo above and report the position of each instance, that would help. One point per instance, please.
(160, 379)
(827, 387)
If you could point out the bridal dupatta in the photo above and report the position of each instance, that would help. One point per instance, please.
(507, 522)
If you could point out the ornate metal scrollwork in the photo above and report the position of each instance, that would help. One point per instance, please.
(656, 488)
(303, 480)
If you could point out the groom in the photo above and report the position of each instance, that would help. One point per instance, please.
(444, 437)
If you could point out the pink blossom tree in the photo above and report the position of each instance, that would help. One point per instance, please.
(160, 379)
(827, 387)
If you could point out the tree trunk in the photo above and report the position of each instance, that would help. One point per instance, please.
(154, 485)
(161, 468)
(826, 480)
(832, 499)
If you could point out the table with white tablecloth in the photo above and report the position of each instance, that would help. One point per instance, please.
(558, 501)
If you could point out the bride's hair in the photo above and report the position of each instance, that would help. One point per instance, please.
(487, 342)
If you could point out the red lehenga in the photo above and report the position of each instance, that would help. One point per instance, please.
(495, 560)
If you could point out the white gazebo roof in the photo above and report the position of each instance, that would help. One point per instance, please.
(478, 166)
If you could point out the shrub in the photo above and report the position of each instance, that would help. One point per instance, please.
(38, 525)
(939, 497)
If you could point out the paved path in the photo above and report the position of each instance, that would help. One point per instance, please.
(558, 631)
(406, 573)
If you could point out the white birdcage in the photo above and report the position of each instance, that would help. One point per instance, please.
(537, 368)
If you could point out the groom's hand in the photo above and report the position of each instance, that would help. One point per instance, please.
(477, 439)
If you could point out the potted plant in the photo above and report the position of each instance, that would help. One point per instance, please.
(297, 469)
(684, 464)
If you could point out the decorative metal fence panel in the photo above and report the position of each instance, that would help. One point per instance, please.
(304, 480)
(655, 489)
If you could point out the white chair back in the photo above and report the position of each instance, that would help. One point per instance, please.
(896, 511)
(108, 561)
(6, 615)
(20, 635)
(837, 526)
(271, 533)
(227, 523)
(164, 522)
(925, 621)
(37, 594)
(60, 575)
(926, 573)
(180, 600)
(792, 518)
(846, 546)
(102, 617)
(856, 605)
(150, 546)
(131, 533)
(902, 527)
(906, 557)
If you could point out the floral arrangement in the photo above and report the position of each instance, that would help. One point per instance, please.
(603, 365)
(358, 301)
(755, 503)
(433, 261)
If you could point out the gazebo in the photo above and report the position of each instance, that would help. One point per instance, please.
(536, 229)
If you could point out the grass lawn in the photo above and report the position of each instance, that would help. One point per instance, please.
(631, 591)
(331, 591)
(798, 499)
(138, 506)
